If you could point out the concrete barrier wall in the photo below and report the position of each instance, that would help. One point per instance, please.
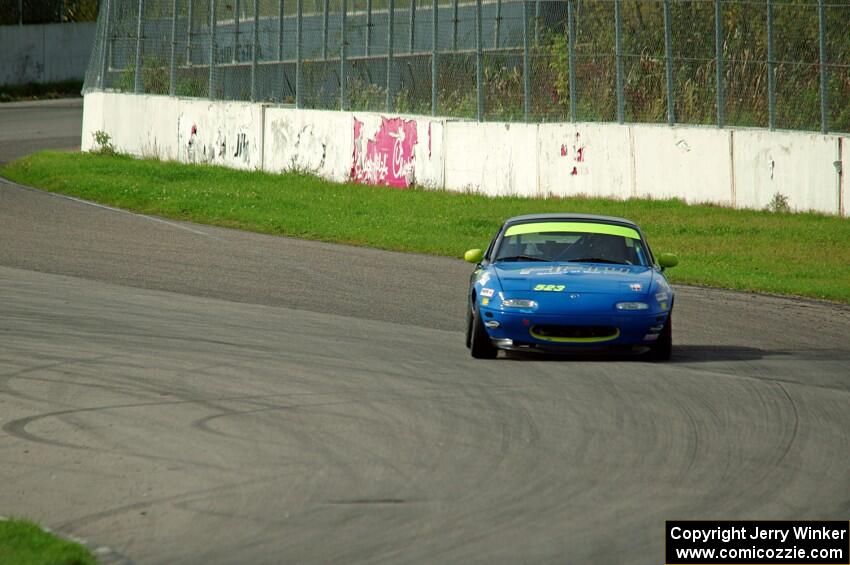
(146, 124)
(93, 121)
(799, 165)
(740, 168)
(309, 140)
(371, 148)
(45, 52)
(843, 189)
(585, 160)
(688, 163)
(497, 159)
(219, 133)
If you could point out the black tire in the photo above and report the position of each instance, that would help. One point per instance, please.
(480, 345)
(662, 349)
(468, 328)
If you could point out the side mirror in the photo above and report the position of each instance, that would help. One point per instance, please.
(473, 256)
(667, 260)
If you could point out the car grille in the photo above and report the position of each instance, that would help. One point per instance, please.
(574, 332)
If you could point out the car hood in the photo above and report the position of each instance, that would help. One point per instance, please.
(576, 277)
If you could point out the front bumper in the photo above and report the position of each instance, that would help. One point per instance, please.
(516, 330)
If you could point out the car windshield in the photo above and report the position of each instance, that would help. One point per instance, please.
(580, 242)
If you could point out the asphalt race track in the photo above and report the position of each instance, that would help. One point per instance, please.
(185, 394)
(27, 127)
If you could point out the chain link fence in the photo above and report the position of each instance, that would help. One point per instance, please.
(761, 63)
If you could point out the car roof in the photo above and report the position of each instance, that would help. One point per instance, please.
(567, 216)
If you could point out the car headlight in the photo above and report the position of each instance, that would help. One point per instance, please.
(518, 303)
(632, 306)
(661, 296)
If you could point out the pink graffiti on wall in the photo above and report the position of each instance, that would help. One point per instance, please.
(576, 148)
(388, 158)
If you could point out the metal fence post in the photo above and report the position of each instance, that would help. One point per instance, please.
(390, 26)
(479, 62)
(537, 23)
(236, 14)
(571, 58)
(112, 39)
(325, 9)
(668, 63)
(213, 22)
(172, 76)
(137, 83)
(189, 33)
(343, 62)
(299, 63)
(454, 25)
(618, 49)
(368, 27)
(771, 70)
(434, 38)
(718, 52)
(280, 31)
(526, 60)
(412, 25)
(824, 102)
(105, 45)
(255, 50)
(498, 23)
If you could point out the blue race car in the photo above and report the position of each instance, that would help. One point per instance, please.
(560, 282)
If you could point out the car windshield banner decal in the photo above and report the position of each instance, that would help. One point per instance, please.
(572, 227)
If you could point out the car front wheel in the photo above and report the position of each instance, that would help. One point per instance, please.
(480, 345)
(468, 328)
(662, 349)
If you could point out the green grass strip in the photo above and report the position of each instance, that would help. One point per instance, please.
(796, 254)
(24, 543)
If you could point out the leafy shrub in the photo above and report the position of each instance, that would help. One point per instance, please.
(104, 143)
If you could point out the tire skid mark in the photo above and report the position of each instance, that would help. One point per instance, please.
(794, 433)
(193, 506)
(772, 477)
(371, 395)
(118, 390)
(694, 446)
(514, 445)
(167, 499)
(17, 428)
(769, 476)
(203, 424)
(71, 470)
(5, 378)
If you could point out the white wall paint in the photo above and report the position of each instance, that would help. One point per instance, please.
(219, 133)
(683, 162)
(844, 181)
(497, 159)
(308, 140)
(584, 159)
(798, 165)
(428, 160)
(742, 168)
(94, 105)
(144, 126)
